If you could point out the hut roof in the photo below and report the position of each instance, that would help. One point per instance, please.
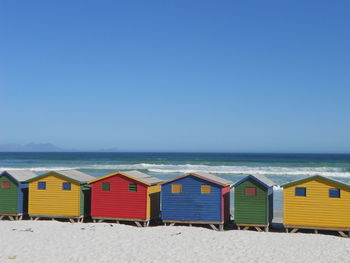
(305, 179)
(206, 176)
(136, 175)
(73, 175)
(20, 175)
(259, 178)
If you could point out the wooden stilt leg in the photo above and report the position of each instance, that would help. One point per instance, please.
(94, 220)
(117, 222)
(36, 219)
(294, 230)
(1, 217)
(316, 231)
(342, 234)
(266, 229)
(246, 228)
(286, 230)
(20, 217)
(100, 221)
(172, 224)
(221, 227)
(239, 228)
(258, 229)
(213, 227)
(71, 220)
(138, 224)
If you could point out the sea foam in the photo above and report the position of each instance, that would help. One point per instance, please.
(186, 168)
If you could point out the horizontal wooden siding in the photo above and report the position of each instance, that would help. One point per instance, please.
(54, 200)
(316, 208)
(251, 209)
(191, 204)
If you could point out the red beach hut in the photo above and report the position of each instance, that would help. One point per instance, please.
(125, 196)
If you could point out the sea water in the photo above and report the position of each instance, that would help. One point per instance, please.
(280, 168)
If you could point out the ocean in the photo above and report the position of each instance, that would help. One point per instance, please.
(280, 168)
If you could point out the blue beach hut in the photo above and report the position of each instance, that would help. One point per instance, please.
(196, 198)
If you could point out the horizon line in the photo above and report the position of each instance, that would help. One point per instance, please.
(195, 152)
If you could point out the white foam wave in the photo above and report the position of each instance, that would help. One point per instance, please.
(40, 169)
(186, 168)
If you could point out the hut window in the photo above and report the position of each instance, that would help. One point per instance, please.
(132, 187)
(42, 185)
(334, 193)
(176, 188)
(106, 186)
(205, 189)
(300, 191)
(5, 185)
(66, 186)
(250, 191)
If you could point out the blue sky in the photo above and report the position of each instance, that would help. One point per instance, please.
(232, 76)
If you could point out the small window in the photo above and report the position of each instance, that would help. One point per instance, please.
(132, 187)
(106, 186)
(334, 193)
(250, 191)
(5, 185)
(42, 185)
(176, 188)
(205, 189)
(300, 191)
(66, 186)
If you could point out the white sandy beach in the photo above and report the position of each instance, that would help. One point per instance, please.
(50, 241)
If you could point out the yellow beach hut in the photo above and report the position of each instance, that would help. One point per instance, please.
(318, 203)
(59, 194)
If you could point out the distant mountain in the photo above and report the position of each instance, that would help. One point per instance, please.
(31, 147)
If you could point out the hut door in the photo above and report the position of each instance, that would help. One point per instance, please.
(25, 200)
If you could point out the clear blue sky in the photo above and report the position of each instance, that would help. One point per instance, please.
(237, 76)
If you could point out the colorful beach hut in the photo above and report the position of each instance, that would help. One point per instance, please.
(196, 198)
(59, 194)
(14, 193)
(318, 203)
(253, 202)
(125, 196)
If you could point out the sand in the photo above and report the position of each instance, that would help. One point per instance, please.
(52, 241)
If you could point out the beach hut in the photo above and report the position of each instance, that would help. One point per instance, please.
(318, 203)
(14, 193)
(196, 198)
(125, 196)
(59, 194)
(253, 202)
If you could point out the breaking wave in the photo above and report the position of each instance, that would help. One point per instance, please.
(185, 168)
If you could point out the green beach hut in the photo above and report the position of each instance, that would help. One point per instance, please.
(253, 202)
(14, 193)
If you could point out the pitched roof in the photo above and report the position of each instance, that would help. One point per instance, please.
(20, 175)
(259, 178)
(315, 177)
(206, 176)
(73, 175)
(136, 175)
(76, 175)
